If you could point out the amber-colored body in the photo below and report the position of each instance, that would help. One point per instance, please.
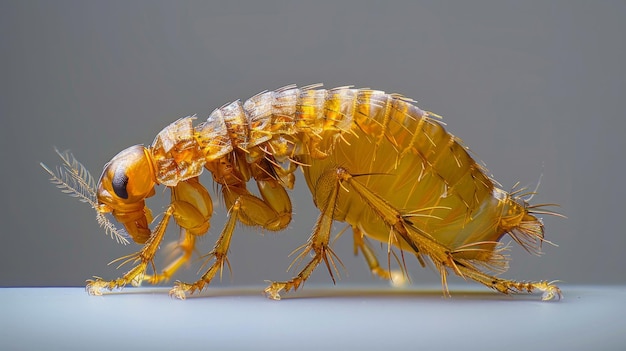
(370, 159)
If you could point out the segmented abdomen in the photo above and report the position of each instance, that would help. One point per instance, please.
(407, 158)
(402, 153)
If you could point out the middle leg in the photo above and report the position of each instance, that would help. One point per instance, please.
(273, 212)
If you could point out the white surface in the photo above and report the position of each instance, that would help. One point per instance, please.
(588, 318)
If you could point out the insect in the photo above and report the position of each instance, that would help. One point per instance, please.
(370, 159)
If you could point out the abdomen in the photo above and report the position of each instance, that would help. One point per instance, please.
(406, 157)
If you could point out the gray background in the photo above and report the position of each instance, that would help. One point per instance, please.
(532, 87)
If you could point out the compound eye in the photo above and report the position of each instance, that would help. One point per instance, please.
(119, 183)
(127, 179)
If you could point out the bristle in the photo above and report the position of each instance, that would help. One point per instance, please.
(74, 179)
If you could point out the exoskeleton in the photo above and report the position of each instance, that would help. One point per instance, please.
(370, 159)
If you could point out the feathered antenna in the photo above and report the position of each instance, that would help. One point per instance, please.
(76, 181)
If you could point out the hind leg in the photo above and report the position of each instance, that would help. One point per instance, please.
(442, 257)
(396, 277)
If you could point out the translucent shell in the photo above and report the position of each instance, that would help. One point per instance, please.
(373, 160)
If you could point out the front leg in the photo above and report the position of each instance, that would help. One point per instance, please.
(144, 257)
(192, 207)
(185, 248)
